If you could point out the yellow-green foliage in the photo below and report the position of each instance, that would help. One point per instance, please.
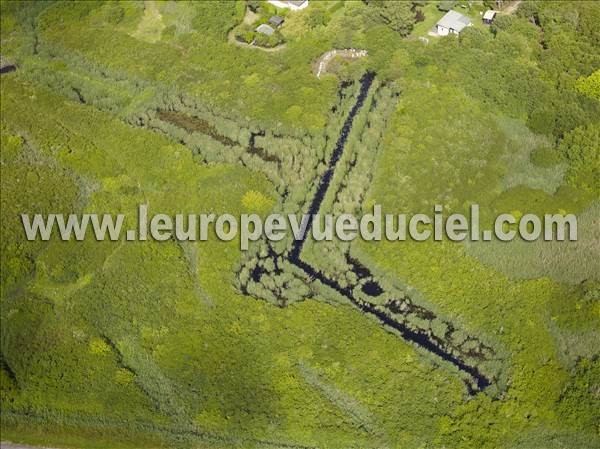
(151, 26)
(122, 344)
(256, 202)
(446, 145)
(581, 149)
(590, 85)
(30, 181)
(190, 358)
(99, 347)
(212, 68)
(124, 376)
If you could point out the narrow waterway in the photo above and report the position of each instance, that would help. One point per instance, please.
(371, 288)
(315, 205)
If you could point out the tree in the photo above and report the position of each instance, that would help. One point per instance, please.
(501, 23)
(399, 16)
(399, 64)
(581, 149)
(590, 86)
(474, 38)
(254, 5)
(316, 17)
(419, 16)
(529, 10)
(446, 5)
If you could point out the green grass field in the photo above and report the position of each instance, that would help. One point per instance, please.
(155, 344)
(432, 15)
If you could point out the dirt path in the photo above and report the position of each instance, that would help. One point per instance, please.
(232, 40)
(512, 7)
(250, 17)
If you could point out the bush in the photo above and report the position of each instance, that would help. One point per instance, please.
(590, 85)
(245, 33)
(262, 40)
(546, 157)
(419, 16)
(581, 150)
(253, 5)
(446, 5)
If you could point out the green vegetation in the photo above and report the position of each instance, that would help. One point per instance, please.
(399, 16)
(590, 85)
(174, 344)
(430, 14)
(258, 13)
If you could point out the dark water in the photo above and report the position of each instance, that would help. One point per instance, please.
(419, 338)
(8, 68)
(193, 125)
(365, 84)
(371, 287)
(259, 151)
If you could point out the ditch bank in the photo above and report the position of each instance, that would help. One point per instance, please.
(381, 313)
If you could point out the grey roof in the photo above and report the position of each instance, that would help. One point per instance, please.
(276, 20)
(454, 21)
(265, 29)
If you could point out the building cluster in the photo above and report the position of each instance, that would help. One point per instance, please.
(276, 21)
(454, 22)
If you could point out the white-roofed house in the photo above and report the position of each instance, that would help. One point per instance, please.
(294, 5)
(452, 23)
(489, 16)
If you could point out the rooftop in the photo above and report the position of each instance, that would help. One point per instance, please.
(292, 4)
(489, 14)
(454, 20)
(265, 29)
(276, 20)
